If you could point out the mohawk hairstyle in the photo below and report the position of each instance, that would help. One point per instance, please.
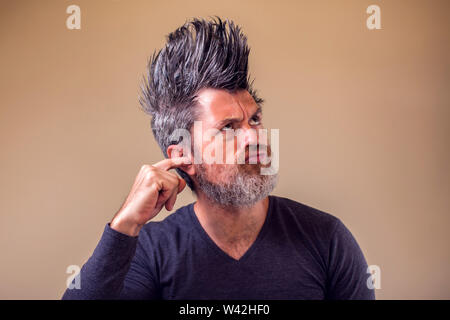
(199, 54)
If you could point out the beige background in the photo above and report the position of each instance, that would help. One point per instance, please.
(363, 118)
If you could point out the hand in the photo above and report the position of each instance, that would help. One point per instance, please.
(153, 188)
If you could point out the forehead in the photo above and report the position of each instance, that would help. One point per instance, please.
(216, 104)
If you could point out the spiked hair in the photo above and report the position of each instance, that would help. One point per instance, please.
(199, 54)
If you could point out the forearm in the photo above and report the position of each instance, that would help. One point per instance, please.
(103, 275)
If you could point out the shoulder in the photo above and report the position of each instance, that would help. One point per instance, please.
(305, 218)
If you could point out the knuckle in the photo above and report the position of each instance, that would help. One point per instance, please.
(173, 176)
(152, 177)
(149, 170)
(156, 185)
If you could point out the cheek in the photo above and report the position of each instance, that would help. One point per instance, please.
(228, 147)
(218, 173)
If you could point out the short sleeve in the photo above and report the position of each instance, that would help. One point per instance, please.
(347, 271)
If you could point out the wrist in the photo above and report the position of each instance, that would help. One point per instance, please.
(126, 227)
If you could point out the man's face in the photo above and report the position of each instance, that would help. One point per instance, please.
(234, 121)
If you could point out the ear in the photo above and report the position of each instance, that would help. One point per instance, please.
(175, 151)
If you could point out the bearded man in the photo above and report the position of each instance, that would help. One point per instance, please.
(236, 241)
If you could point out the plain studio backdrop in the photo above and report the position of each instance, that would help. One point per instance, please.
(363, 117)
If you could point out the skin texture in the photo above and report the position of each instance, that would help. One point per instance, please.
(233, 229)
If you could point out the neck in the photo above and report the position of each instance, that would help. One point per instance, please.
(231, 226)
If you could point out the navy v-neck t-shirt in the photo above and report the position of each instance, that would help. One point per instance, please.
(299, 253)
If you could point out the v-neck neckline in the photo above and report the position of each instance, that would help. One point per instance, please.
(222, 253)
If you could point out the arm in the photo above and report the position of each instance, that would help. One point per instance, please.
(116, 270)
(347, 273)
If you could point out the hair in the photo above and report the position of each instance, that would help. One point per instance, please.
(199, 54)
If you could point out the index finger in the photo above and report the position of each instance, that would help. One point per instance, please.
(172, 163)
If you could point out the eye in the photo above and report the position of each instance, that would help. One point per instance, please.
(227, 127)
(255, 120)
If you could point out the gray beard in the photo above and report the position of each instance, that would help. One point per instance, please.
(243, 189)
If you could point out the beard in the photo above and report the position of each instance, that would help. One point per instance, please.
(244, 185)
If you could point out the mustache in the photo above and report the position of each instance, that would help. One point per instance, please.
(255, 149)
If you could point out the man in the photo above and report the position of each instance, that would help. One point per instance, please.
(236, 241)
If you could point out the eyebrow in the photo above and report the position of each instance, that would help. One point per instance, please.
(234, 120)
